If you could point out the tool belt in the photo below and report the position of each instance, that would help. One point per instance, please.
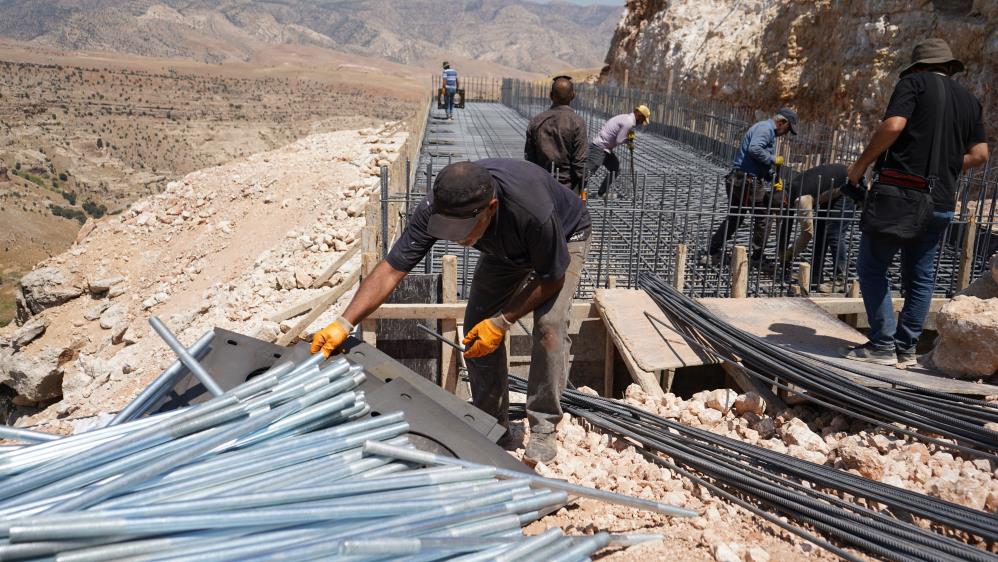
(899, 204)
(744, 188)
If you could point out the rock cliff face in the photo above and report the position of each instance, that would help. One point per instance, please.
(835, 60)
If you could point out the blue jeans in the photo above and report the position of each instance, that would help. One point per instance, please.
(449, 100)
(918, 278)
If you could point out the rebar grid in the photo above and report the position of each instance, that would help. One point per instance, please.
(673, 192)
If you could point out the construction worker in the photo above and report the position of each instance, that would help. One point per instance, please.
(616, 131)
(824, 215)
(556, 138)
(533, 235)
(450, 84)
(748, 184)
(932, 130)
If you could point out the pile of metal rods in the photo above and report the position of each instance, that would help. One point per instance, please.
(783, 489)
(822, 383)
(283, 467)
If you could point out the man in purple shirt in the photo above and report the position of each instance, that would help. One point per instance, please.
(616, 131)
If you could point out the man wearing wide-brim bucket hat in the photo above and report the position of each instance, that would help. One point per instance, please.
(932, 131)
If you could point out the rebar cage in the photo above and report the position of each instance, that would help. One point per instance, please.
(671, 191)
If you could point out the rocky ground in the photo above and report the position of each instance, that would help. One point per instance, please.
(226, 246)
(726, 532)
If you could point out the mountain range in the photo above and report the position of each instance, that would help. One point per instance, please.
(533, 37)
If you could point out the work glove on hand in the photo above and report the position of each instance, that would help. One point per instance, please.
(778, 184)
(778, 161)
(855, 191)
(485, 337)
(630, 140)
(330, 338)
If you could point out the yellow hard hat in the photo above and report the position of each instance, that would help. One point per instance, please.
(643, 110)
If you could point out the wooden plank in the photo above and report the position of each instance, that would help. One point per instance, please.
(608, 350)
(652, 342)
(580, 310)
(368, 261)
(329, 300)
(679, 279)
(739, 272)
(331, 270)
(448, 326)
(852, 293)
(967, 254)
(645, 379)
(804, 269)
(854, 305)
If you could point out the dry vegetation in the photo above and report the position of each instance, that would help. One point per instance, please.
(82, 141)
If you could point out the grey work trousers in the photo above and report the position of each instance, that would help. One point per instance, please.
(495, 283)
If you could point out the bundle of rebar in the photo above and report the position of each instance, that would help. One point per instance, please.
(961, 419)
(796, 495)
(286, 466)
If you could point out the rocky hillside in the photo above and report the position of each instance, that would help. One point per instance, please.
(834, 60)
(515, 33)
(226, 246)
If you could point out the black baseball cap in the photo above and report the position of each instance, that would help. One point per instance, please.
(791, 117)
(460, 192)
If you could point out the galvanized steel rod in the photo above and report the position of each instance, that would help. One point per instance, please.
(185, 357)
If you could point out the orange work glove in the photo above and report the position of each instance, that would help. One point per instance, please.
(485, 337)
(330, 338)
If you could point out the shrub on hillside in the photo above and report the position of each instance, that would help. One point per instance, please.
(68, 213)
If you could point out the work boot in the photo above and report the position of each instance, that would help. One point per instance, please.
(869, 354)
(828, 287)
(542, 447)
(906, 359)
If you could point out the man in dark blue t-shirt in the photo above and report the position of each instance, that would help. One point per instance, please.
(903, 144)
(533, 234)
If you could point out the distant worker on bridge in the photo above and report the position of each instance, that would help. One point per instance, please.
(450, 84)
(556, 138)
(932, 131)
(750, 183)
(533, 235)
(615, 132)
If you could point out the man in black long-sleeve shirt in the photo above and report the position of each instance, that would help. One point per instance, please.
(556, 138)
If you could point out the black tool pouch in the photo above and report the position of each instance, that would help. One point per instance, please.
(897, 210)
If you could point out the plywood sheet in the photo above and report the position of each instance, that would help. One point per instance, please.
(654, 345)
(801, 325)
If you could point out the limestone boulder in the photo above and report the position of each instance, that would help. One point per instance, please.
(796, 432)
(864, 460)
(44, 288)
(721, 399)
(31, 330)
(967, 345)
(750, 402)
(34, 377)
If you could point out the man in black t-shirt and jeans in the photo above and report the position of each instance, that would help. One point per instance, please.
(903, 142)
(533, 234)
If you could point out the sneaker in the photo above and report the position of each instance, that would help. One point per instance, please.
(906, 359)
(542, 447)
(828, 287)
(870, 354)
